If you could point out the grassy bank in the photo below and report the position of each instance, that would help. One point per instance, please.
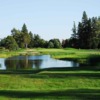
(68, 53)
(51, 85)
(84, 57)
(7, 53)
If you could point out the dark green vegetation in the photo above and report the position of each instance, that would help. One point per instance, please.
(86, 35)
(24, 39)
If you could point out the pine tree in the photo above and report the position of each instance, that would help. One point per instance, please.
(84, 18)
(31, 44)
(24, 28)
(80, 35)
(25, 36)
(84, 29)
(74, 37)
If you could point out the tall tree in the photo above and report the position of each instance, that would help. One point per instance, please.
(84, 18)
(31, 44)
(84, 29)
(74, 37)
(82, 32)
(89, 32)
(26, 36)
(24, 28)
(80, 35)
(96, 31)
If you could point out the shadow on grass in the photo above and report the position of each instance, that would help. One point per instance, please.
(84, 94)
(83, 68)
(50, 69)
(94, 60)
(19, 71)
(63, 75)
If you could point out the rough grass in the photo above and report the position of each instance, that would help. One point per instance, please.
(70, 53)
(7, 53)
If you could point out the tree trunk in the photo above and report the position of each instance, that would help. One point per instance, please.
(26, 45)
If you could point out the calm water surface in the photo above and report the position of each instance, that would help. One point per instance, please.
(33, 62)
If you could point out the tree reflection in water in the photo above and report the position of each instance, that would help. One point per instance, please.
(21, 62)
(35, 62)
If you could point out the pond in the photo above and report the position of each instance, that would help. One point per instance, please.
(33, 62)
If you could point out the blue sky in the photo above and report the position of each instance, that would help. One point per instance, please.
(48, 18)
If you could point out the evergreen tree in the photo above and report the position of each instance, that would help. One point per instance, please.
(84, 29)
(65, 43)
(80, 35)
(96, 30)
(31, 44)
(36, 40)
(89, 32)
(26, 36)
(24, 28)
(84, 18)
(74, 37)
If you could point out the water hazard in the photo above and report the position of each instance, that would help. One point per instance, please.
(33, 62)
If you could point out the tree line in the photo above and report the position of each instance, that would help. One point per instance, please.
(86, 35)
(25, 39)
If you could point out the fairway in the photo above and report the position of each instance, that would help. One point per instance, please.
(51, 85)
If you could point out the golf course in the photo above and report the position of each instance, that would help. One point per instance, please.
(64, 83)
(50, 50)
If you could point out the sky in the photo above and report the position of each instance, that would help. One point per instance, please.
(48, 18)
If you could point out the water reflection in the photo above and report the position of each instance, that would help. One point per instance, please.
(34, 62)
(21, 62)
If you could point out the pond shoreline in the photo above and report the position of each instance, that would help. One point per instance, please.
(78, 55)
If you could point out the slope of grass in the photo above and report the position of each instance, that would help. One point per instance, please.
(7, 53)
(51, 85)
(70, 94)
(69, 53)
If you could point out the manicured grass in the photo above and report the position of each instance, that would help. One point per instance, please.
(51, 85)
